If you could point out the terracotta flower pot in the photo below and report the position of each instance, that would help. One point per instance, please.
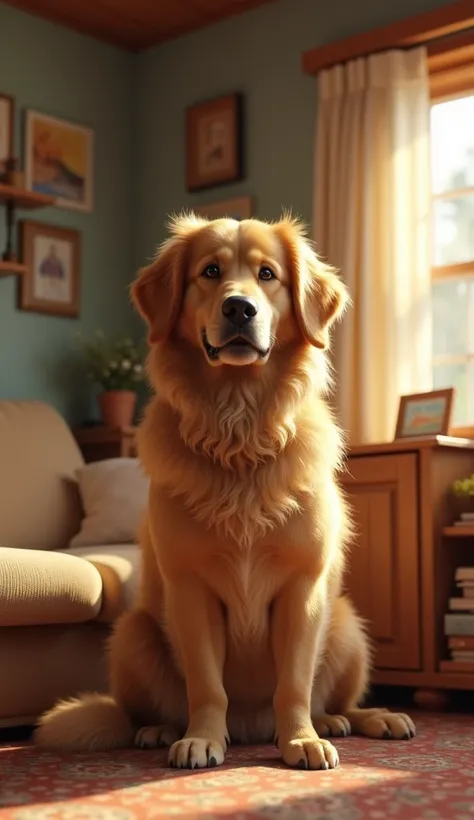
(117, 407)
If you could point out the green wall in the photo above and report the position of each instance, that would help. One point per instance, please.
(258, 53)
(62, 73)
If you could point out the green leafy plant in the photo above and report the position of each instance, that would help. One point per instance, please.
(464, 487)
(117, 365)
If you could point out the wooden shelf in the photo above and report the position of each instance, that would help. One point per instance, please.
(24, 199)
(463, 531)
(424, 680)
(465, 667)
(12, 268)
(13, 197)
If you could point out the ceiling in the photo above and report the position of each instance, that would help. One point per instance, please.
(135, 24)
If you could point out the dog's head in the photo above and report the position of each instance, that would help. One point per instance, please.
(234, 289)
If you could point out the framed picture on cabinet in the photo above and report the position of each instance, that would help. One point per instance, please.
(52, 257)
(59, 160)
(425, 414)
(214, 142)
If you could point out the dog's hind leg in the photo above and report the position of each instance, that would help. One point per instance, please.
(145, 681)
(145, 691)
(342, 681)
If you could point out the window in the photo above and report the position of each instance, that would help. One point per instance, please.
(452, 178)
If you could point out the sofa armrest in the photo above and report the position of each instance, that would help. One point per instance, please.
(42, 587)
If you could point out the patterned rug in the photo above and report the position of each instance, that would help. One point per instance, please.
(429, 778)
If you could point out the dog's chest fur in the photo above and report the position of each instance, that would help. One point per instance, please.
(240, 482)
(246, 581)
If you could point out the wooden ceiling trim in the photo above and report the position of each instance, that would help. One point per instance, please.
(451, 52)
(421, 29)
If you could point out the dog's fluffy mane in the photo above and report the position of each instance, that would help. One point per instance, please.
(247, 436)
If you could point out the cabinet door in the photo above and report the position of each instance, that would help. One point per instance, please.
(382, 575)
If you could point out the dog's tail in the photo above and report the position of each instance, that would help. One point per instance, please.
(90, 723)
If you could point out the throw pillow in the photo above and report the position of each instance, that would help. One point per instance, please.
(114, 494)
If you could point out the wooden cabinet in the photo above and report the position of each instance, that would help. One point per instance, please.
(383, 570)
(400, 568)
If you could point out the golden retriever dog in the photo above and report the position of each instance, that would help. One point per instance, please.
(241, 632)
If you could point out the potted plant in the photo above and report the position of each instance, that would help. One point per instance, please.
(464, 488)
(117, 368)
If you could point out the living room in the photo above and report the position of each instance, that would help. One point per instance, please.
(133, 91)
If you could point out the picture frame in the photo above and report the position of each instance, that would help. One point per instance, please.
(52, 257)
(240, 207)
(59, 160)
(7, 119)
(214, 153)
(425, 414)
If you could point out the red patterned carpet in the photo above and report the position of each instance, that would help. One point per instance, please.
(428, 778)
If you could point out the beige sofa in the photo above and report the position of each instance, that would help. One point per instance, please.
(57, 602)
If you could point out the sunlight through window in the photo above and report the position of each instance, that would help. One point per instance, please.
(452, 179)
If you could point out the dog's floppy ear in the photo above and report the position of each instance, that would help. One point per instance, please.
(157, 291)
(320, 297)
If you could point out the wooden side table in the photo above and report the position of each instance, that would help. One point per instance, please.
(98, 443)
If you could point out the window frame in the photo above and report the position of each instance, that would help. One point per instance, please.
(451, 75)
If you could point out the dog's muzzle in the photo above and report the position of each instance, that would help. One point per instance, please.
(238, 333)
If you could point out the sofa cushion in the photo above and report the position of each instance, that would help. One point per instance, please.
(39, 502)
(39, 587)
(119, 567)
(114, 494)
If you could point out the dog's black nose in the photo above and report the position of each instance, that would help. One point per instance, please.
(239, 309)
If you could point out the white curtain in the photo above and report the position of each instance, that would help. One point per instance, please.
(371, 220)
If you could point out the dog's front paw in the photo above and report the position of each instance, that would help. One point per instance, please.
(309, 753)
(196, 753)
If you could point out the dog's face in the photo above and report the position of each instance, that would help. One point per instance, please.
(237, 298)
(234, 289)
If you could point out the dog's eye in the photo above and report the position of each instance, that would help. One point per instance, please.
(211, 272)
(266, 274)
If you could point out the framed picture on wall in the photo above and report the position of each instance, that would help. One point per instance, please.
(237, 208)
(7, 113)
(214, 142)
(425, 414)
(52, 257)
(59, 160)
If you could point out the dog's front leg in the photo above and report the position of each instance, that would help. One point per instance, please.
(298, 624)
(198, 628)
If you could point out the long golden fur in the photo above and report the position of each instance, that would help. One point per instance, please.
(241, 630)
